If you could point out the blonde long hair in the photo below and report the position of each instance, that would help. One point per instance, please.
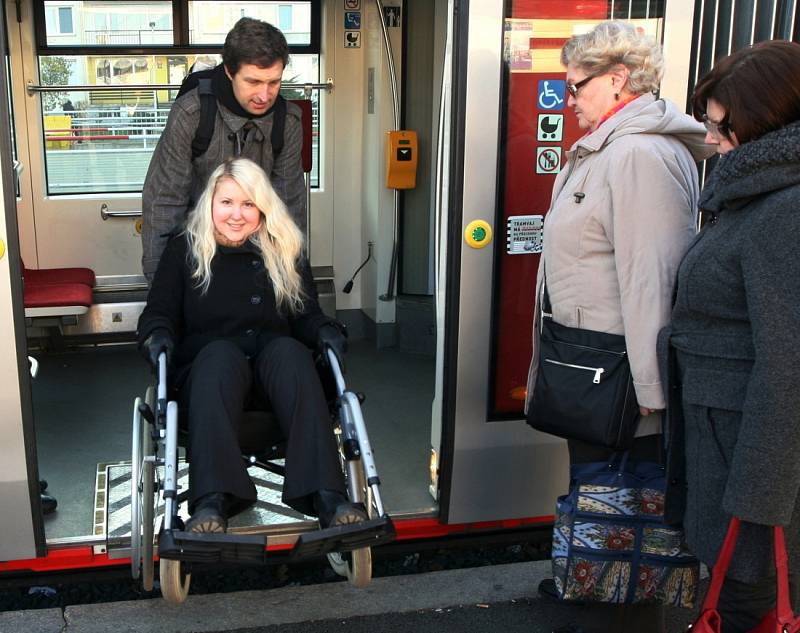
(279, 240)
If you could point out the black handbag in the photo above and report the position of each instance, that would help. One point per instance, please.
(584, 389)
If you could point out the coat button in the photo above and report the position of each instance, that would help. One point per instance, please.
(255, 263)
(255, 300)
(250, 332)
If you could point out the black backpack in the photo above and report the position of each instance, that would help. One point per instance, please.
(208, 112)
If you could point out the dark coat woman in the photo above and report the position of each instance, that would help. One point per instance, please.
(736, 330)
(233, 303)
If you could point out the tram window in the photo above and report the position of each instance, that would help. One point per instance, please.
(211, 20)
(127, 23)
(100, 141)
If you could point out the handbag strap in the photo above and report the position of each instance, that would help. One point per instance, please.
(783, 607)
(547, 309)
(721, 566)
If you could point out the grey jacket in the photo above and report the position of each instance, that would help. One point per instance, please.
(174, 182)
(736, 329)
(611, 255)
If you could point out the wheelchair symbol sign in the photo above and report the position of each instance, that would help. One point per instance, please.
(551, 94)
(352, 20)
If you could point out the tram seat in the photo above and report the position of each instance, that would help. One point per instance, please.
(62, 294)
(306, 120)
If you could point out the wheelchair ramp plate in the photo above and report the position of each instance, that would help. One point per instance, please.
(113, 498)
(344, 538)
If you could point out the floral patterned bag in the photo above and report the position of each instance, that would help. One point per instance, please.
(610, 542)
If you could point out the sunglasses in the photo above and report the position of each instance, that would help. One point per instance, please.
(573, 88)
(721, 130)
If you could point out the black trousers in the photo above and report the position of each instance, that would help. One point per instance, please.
(743, 605)
(624, 618)
(214, 391)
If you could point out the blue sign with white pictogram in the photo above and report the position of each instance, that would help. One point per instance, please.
(551, 94)
(352, 20)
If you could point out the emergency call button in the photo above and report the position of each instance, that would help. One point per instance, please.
(478, 233)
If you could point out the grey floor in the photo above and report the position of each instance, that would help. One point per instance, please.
(83, 405)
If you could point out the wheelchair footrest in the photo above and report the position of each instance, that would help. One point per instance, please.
(194, 547)
(344, 538)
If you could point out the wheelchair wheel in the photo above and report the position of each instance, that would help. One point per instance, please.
(142, 498)
(148, 498)
(174, 580)
(356, 566)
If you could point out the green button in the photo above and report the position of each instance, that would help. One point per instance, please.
(479, 234)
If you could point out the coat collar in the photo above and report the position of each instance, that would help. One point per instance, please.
(596, 139)
(759, 167)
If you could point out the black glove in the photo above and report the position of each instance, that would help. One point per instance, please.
(333, 335)
(159, 340)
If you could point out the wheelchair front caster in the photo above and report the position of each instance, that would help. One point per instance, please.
(174, 580)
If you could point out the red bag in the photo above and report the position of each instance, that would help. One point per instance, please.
(779, 620)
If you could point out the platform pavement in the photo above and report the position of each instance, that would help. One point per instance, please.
(404, 601)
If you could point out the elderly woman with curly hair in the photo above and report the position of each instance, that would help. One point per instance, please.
(233, 298)
(622, 214)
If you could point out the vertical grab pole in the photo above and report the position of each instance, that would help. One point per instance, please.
(389, 295)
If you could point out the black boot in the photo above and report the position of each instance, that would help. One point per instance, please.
(49, 503)
(333, 508)
(210, 514)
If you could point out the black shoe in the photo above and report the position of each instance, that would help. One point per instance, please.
(333, 508)
(49, 503)
(209, 514)
(42, 485)
(547, 591)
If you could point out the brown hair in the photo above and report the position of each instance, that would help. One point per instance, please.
(758, 86)
(252, 41)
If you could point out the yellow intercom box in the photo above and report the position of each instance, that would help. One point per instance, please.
(401, 159)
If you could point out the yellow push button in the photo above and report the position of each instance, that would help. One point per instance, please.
(2, 249)
(478, 233)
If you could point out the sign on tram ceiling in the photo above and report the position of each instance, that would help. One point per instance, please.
(352, 5)
(548, 160)
(551, 94)
(550, 127)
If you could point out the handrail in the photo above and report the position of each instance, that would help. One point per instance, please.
(33, 88)
(105, 213)
(389, 295)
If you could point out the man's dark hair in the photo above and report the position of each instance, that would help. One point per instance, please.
(758, 86)
(252, 41)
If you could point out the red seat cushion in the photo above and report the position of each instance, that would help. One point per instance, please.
(41, 276)
(306, 123)
(55, 295)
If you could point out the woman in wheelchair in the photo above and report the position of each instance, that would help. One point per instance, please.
(234, 306)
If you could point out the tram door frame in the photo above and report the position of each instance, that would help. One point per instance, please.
(495, 470)
(21, 520)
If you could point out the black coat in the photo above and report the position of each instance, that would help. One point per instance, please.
(239, 305)
(736, 332)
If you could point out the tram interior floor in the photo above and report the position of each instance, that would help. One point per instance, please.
(83, 406)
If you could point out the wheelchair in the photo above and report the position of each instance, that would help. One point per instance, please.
(154, 483)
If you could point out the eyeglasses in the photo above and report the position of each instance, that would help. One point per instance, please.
(573, 88)
(721, 130)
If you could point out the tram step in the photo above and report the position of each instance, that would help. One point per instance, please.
(344, 538)
(193, 547)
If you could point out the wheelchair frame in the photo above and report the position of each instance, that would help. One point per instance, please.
(154, 475)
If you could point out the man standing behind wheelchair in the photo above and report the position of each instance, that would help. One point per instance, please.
(234, 306)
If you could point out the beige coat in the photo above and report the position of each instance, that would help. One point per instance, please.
(611, 256)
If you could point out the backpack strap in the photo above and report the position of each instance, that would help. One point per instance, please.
(208, 114)
(278, 126)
